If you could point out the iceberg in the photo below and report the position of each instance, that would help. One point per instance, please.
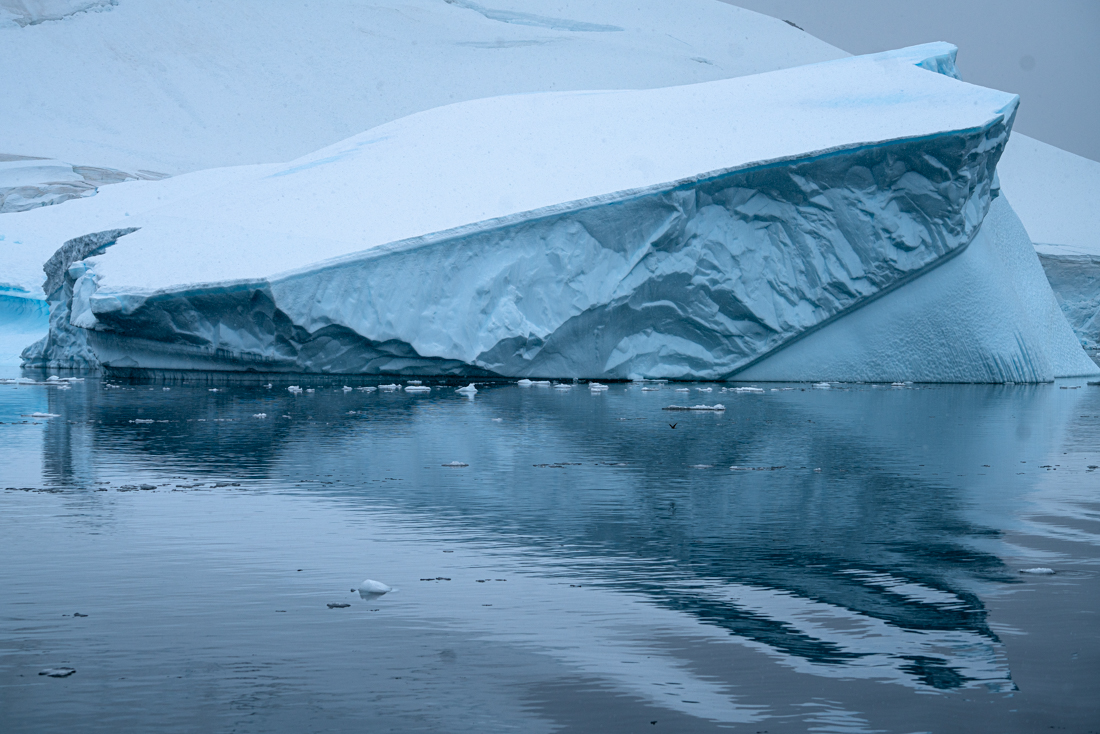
(691, 232)
(1056, 195)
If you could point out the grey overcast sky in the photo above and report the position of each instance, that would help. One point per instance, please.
(1047, 51)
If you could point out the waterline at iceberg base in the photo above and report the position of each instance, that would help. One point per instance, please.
(708, 276)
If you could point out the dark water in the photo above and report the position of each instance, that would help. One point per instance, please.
(592, 569)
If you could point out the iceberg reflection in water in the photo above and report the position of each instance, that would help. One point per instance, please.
(602, 569)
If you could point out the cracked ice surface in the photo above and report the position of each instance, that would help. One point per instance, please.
(685, 232)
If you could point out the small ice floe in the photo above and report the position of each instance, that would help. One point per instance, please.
(45, 415)
(756, 468)
(563, 386)
(57, 672)
(498, 420)
(259, 415)
(294, 389)
(897, 384)
(371, 589)
(166, 388)
(455, 465)
(596, 387)
(268, 386)
(747, 389)
(716, 407)
(417, 388)
(366, 389)
(413, 382)
(213, 389)
(701, 466)
(683, 389)
(142, 420)
(468, 390)
(345, 388)
(388, 388)
(655, 389)
(524, 382)
(705, 389)
(1038, 571)
(541, 383)
(822, 386)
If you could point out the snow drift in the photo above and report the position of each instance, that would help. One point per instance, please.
(686, 232)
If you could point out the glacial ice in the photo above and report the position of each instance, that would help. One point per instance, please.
(1057, 197)
(747, 228)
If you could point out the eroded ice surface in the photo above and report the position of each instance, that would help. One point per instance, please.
(682, 232)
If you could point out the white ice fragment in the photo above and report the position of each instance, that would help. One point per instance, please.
(468, 390)
(346, 388)
(704, 389)
(144, 420)
(417, 388)
(413, 382)
(563, 386)
(455, 465)
(213, 389)
(57, 672)
(45, 415)
(1038, 570)
(750, 388)
(683, 389)
(366, 389)
(267, 386)
(294, 389)
(259, 415)
(822, 386)
(541, 383)
(524, 382)
(596, 387)
(372, 588)
(310, 389)
(165, 388)
(52, 378)
(498, 420)
(716, 407)
(389, 388)
(655, 389)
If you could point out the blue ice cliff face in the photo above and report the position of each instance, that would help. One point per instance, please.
(712, 276)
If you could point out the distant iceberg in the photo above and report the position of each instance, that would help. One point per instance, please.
(685, 233)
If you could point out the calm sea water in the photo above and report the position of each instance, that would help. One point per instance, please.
(592, 569)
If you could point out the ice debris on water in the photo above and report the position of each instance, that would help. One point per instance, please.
(596, 387)
(346, 388)
(294, 389)
(413, 382)
(1039, 571)
(417, 388)
(655, 389)
(704, 389)
(524, 382)
(45, 415)
(822, 386)
(370, 587)
(366, 389)
(259, 415)
(57, 672)
(718, 407)
(747, 389)
(468, 390)
(455, 465)
(389, 388)
(680, 389)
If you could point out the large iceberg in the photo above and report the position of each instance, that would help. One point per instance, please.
(689, 232)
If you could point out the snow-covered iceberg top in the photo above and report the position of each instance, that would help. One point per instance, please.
(488, 159)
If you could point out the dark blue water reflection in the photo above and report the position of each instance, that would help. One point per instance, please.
(858, 571)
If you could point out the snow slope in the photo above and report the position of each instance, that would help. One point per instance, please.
(1057, 195)
(683, 232)
(182, 85)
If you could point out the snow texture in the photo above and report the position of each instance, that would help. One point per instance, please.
(177, 85)
(746, 229)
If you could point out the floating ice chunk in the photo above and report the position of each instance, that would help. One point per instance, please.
(683, 389)
(596, 387)
(267, 386)
(1038, 570)
(294, 389)
(372, 588)
(413, 382)
(57, 672)
(310, 389)
(655, 389)
(417, 388)
(52, 378)
(822, 386)
(346, 388)
(468, 390)
(143, 420)
(498, 420)
(389, 388)
(717, 407)
(747, 389)
(563, 386)
(46, 415)
(366, 389)
(541, 383)
(524, 382)
(259, 415)
(704, 389)
(455, 465)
